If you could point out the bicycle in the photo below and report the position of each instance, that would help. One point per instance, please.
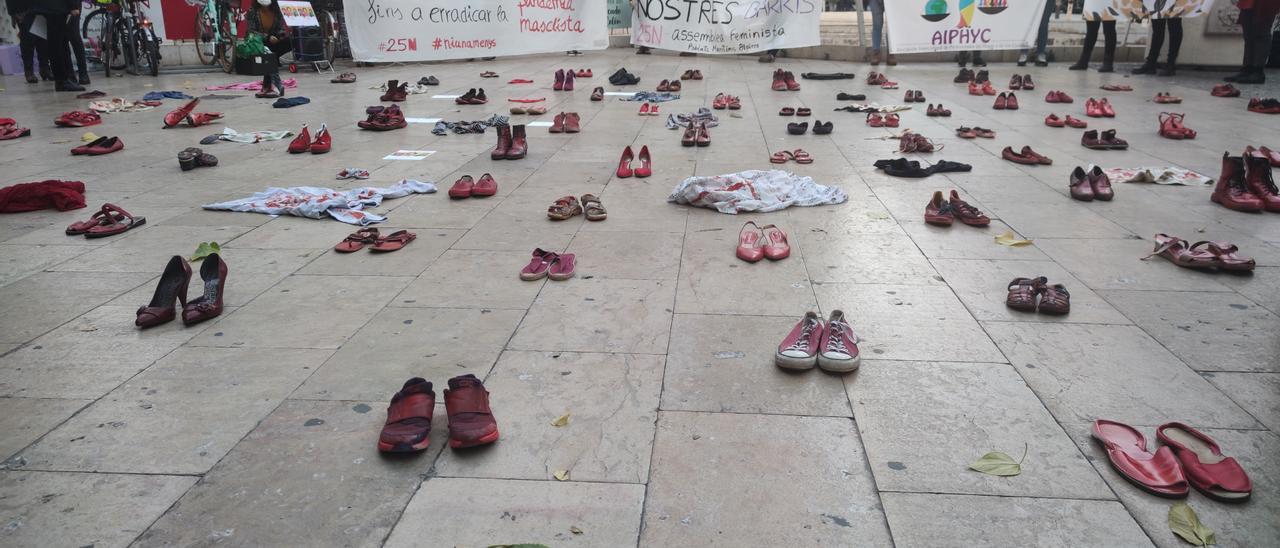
(216, 30)
(121, 31)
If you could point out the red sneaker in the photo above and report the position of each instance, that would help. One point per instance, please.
(966, 213)
(323, 141)
(790, 80)
(799, 350)
(408, 418)
(938, 211)
(779, 81)
(486, 186)
(462, 188)
(301, 143)
(1232, 192)
(471, 420)
(838, 350)
(80, 119)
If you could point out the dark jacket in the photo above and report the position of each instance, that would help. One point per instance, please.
(54, 6)
(16, 7)
(278, 29)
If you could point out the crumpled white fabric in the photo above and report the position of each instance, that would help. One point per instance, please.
(1166, 175)
(755, 190)
(317, 203)
(251, 137)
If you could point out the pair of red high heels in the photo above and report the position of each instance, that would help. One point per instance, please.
(646, 163)
(303, 143)
(173, 287)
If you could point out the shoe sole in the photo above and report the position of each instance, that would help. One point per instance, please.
(484, 440)
(795, 364)
(398, 448)
(839, 366)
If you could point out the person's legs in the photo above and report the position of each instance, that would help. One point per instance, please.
(27, 44)
(1042, 34)
(77, 48)
(978, 61)
(1153, 51)
(1090, 38)
(1175, 43)
(1109, 46)
(1257, 39)
(59, 54)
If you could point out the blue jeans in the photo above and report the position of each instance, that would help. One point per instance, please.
(877, 22)
(1042, 34)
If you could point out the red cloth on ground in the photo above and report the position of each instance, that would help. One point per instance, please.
(60, 195)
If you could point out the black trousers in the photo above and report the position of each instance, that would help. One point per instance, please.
(29, 44)
(1158, 27)
(279, 49)
(56, 45)
(76, 43)
(1091, 38)
(1257, 39)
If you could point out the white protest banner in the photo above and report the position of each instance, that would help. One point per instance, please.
(1110, 10)
(917, 26)
(726, 26)
(426, 30)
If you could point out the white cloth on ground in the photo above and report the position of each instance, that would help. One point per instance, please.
(316, 202)
(755, 190)
(229, 134)
(1157, 175)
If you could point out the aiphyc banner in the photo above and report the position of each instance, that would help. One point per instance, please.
(726, 26)
(917, 26)
(427, 30)
(1110, 10)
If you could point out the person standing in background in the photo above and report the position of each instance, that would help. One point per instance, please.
(57, 13)
(20, 11)
(265, 18)
(1091, 27)
(76, 43)
(1042, 38)
(876, 7)
(1158, 28)
(1257, 18)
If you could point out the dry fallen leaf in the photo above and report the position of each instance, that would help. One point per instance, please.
(562, 475)
(1184, 523)
(562, 420)
(575, 530)
(1011, 240)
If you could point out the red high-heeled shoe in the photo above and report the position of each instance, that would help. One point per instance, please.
(624, 163)
(302, 142)
(323, 141)
(208, 306)
(172, 287)
(646, 163)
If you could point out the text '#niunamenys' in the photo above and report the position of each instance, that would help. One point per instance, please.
(721, 12)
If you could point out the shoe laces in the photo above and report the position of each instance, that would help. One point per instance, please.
(802, 344)
(835, 343)
(964, 208)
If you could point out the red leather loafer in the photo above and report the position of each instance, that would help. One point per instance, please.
(1217, 476)
(462, 188)
(1011, 102)
(1053, 120)
(1002, 102)
(1079, 185)
(1039, 158)
(1101, 184)
(1010, 155)
(484, 187)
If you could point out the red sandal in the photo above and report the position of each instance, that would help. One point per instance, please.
(105, 216)
(394, 241)
(801, 157)
(1179, 252)
(123, 222)
(781, 157)
(1225, 253)
(1171, 127)
(356, 241)
(1022, 292)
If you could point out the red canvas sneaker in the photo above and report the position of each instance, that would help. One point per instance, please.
(408, 418)
(799, 350)
(323, 141)
(471, 420)
(839, 346)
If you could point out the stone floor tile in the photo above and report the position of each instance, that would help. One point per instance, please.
(518, 230)
(481, 512)
(627, 255)
(578, 315)
(1244, 525)
(308, 475)
(1209, 331)
(20, 261)
(400, 343)
(923, 422)
(611, 400)
(71, 509)
(840, 258)
(714, 281)
(187, 410)
(43, 301)
(472, 279)
(1084, 372)
(409, 261)
(149, 249)
(921, 519)
(294, 233)
(334, 308)
(815, 497)
(983, 287)
(24, 420)
(725, 363)
(1257, 393)
(1263, 287)
(892, 320)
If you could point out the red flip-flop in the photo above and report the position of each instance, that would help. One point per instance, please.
(105, 216)
(123, 223)
(1158, 473)
(356, 241)
(538, 265)
(394, 241)
(1219, 477)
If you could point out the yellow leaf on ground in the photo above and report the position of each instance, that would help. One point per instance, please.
(88, 137)
(562, 475)
(562, 420)
(575, 530)
(1009, 239)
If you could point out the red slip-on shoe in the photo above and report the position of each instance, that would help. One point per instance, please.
(1091, 108)
(750, 245)
(1225, 90)
(323, 141)
(909, 97)
(1158, 473)
(690, 137)
(646, 163)
(892, 120)
(799, 350)
(838, 348)
(1010, 155)
(572, 123)
(875, 120)
(704, 136)
(1101, 184)
(1053, 120)
(171, 289)
(624, 163)
(84, 149)
(1064, 98)
(776, 247)
(1075, 122)
(462, 188)
(1002, 102)
(984, 133)
(78, 119)
(301, 143)
(1232, 192)
(108, 146)
(1219, 477)
(484, 187)
(966, 213)
(987, 88)
(1027, 84)
(1051, 97)
(213, 275)
(644, 109)
(1039, 158)
(664, 85)
(561, 268)
(177, 116)
(198, 119)
(597, 94)
(966, 133)
(471, 420)
(1012, 102)
(408, 418)
(974, 89)
(1080, 186)
(568, 81)
(675, 86)
(559, 81)
(938, 211)
(538, 265)
(790, 80)
(1104, 106)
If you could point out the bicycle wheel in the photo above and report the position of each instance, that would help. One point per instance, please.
(125, 39)
(328, 30)
(107, 41)
(227, 42)
(149, 55)
(205, 39)
(91, 30)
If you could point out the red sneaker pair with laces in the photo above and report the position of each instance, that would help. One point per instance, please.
(466, 402)
(303, 143)
(942, 212)
(831, 345)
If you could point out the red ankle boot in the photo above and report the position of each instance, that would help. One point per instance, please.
(519, 143)
(1232, 191)
(504, 143)
(302, 142)
(323, 141)
(1260, 182)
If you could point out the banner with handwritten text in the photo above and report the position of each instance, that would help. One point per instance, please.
(918, 26)
(726, 27)
(427, 30)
